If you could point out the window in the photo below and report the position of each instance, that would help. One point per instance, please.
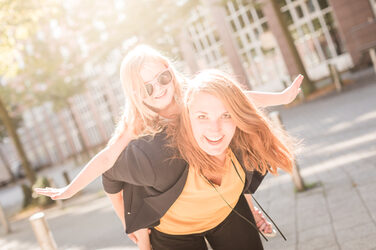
(299, 11)
(323, 4)
(373, 5)
(310, 6)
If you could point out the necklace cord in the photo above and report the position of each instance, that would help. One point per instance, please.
(258, 204)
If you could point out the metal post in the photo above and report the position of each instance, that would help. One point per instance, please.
(335, 77)
(372, 54)
(42, 232)
(4, 221)
(296, 177)
(66, 177)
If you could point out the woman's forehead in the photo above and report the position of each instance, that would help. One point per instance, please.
(203, 101)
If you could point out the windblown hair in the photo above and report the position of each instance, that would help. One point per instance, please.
(255, 138)
(137, 114)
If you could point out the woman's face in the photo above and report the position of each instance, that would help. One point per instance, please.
(212, 125)
(153, 74)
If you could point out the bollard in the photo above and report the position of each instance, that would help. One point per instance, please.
(4, 221)
(58, 202)
(296, 177)
(42, 232)
(336, 78)
(372, 54)
(66, 177)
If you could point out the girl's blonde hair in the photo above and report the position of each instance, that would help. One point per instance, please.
(256, 140)
(137, 114)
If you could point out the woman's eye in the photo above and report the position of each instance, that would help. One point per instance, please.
(226, 116)
(201, 117)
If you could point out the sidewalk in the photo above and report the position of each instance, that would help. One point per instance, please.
(339, 133)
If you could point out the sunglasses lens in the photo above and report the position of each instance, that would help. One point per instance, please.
(165, 78)
(149, 89)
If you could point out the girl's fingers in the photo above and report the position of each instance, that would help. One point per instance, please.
(298, 80)
(133, 238)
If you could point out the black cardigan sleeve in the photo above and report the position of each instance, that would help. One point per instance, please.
(255, 182)
(133, 166)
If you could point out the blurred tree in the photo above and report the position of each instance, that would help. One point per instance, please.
(55, 77)
(307, 86)
(11, 130)
(219, 15)
(16, 121)
(19, 21)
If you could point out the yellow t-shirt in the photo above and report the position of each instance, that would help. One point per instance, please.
(199, 207)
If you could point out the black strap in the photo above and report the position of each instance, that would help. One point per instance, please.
(258, 204)
(253, 225)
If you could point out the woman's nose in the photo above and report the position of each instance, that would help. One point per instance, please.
(156, 88)
(215, 126)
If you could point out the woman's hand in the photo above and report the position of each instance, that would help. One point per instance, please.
(262, 224)
(141, 238)
(54, 193)
(289, 94)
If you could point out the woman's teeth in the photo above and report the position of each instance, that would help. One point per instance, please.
(162, 94)
(214, 139)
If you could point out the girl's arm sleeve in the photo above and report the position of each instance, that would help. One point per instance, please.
(133, 166)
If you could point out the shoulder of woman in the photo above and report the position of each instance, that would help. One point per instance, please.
(149, 142)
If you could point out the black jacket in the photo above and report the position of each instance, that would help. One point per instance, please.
(151, 180)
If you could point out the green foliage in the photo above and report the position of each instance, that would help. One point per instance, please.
(19, 21)
(41, 200)
(55, 44)
(27, 196)
(31, 199)
(16, 121)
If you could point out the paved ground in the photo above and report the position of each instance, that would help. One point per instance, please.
(339, 152)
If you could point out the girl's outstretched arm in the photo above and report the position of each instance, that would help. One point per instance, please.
(99, 164)
(266, 99)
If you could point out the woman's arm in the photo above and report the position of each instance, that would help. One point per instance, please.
(118, 205)
(100, 163)
(266, 99)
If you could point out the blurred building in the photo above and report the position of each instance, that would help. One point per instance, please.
(339, 32)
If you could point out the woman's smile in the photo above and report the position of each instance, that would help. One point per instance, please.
(211, 123)
(161, 95)
(214, 140)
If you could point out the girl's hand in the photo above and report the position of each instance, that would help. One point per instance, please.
(293, 90)
(141, 238)
(54, 193)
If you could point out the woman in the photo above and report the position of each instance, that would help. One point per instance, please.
(152, 95)
(223, 140)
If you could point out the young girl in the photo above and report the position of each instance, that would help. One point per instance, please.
(224, 141)
(153, 92)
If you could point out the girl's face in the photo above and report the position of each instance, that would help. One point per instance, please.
(156, 79)
(211, 123)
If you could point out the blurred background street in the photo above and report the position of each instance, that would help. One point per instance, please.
(61, 97)
(339, 153)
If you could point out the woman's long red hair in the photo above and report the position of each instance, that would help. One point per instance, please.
(262, 147)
